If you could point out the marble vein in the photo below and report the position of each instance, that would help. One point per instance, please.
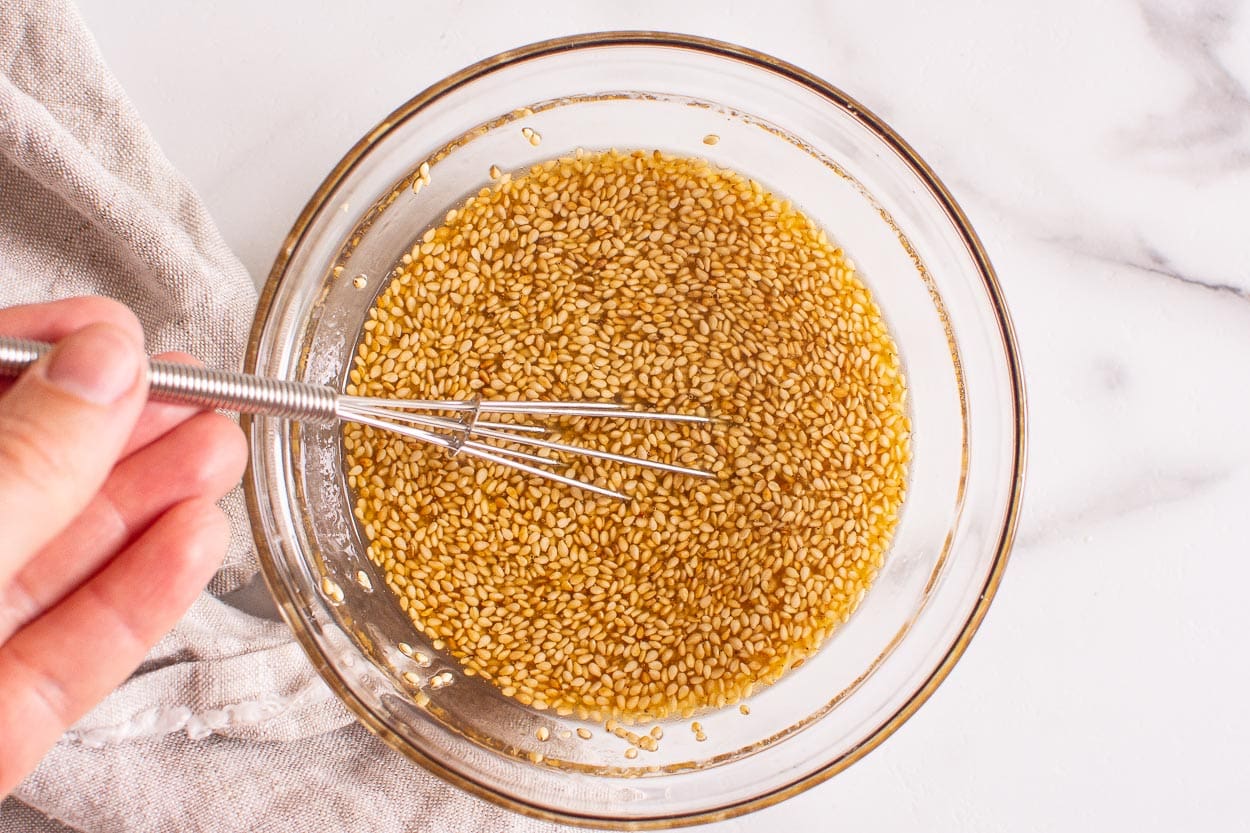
(1212, 123)
(1150, 260)
(1130, 493)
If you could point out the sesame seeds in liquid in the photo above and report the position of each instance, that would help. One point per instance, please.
(668, 283)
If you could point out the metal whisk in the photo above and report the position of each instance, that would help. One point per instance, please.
(455, 425)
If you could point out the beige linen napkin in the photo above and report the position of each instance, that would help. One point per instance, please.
(225, 727)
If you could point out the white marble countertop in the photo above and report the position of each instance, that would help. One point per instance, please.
(1103, 152)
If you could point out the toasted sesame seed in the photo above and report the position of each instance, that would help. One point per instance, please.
(542, 733)
(360, 281)
(672, 284)
(331, 589)
(711, 139)
(744, 709)
(583, 733)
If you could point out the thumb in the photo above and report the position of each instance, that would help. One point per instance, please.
(63, 425)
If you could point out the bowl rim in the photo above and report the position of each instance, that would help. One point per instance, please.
(882, 131)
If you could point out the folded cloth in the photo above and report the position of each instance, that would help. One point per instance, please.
(225, 726)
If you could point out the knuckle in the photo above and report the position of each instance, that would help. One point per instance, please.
(17, 607)
(48, 691)
(127, 622)
(222, 457)
(26, 454)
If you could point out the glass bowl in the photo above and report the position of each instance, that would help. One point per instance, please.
(801, 138)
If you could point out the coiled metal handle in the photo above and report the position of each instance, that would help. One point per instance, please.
(202, 387)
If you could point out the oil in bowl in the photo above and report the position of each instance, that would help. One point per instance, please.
(662, 282)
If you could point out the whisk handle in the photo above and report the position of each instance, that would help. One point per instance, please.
(202, 387)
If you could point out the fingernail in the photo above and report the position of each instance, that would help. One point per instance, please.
(98, 364)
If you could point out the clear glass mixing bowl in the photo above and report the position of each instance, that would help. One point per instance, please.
(798, 136)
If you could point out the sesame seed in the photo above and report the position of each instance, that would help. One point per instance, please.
(331, 589)
(711, 139)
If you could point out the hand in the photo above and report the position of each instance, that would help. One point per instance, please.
(109, 527)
